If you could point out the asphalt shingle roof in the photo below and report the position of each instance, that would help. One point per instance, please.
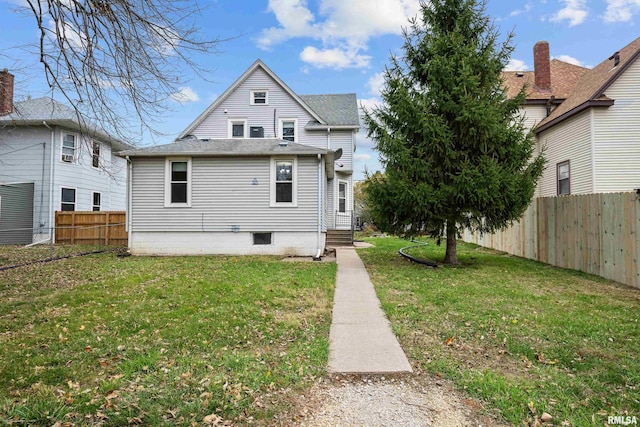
(35, 111)
(593, 84)
(335, 109)
(225, 147)
(40, 109)
(564, 77)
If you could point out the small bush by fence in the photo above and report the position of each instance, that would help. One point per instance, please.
(91, 228)
(595, 233)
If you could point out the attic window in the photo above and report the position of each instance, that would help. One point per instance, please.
(259, 97)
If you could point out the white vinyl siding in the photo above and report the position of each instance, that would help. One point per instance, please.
(109, 179)
(343, 139)
(616, 134)
(281, 105)
(570, 140)
(533, 114)
(228, 194)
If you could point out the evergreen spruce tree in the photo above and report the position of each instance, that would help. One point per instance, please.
(455, 150)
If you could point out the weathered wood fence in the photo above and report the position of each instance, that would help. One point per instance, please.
(91, 228)
(594, 233)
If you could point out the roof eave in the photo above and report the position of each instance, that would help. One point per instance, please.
(337, 127)
(592, 103)
(133, 153)
(70, 124)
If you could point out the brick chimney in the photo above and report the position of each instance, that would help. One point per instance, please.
(6, 92)
(542, 65)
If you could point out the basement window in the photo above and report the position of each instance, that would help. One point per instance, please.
(261, 238)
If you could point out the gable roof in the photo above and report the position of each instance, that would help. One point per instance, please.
(257, 64)
(35, 112)
(564, 77)
(335, 109)
(225, 148)
(590, 90)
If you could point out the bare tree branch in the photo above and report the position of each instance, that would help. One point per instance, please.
(118, 62)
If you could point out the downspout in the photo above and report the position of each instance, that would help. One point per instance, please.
(44, 164)
(51, 177)
(129, 200)
(318, 256)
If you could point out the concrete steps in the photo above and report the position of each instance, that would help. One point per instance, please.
(339, 238)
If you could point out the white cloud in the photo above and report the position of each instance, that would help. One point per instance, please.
(362, 156)
(516, 65)
(340, 25)
(570, 60)
(527, 7)
(334, 58)
(369, 103)
(65, 31)
(575, 11)
(186, 94)
(376, 83)
(621, 10)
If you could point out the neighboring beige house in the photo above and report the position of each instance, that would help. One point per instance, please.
(587, 121)
(261, 171)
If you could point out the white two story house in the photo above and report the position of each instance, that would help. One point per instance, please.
(262, 170)
(50, 162)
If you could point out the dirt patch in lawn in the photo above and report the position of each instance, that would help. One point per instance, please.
(407, 400)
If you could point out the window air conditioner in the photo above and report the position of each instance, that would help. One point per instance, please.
(67, 157)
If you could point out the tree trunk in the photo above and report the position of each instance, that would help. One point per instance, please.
(451, 256)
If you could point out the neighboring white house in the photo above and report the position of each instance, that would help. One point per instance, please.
(587, 121)
(261, 171)
(43, 150)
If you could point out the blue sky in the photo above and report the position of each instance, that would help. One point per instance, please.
(337, 46)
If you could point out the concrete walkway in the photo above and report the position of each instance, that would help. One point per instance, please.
(361, 340)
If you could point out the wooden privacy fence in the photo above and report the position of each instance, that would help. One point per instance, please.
(594, 233)
(91, 228)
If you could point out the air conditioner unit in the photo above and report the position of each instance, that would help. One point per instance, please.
(67, 158)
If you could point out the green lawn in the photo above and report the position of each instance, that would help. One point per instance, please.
(160, 341)
(524, 337)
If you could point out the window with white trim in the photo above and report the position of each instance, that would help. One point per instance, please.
(564, 178)
(237, 128)
(96, 201)
(283, 182)
(177, 182)
(288, 128)
(342, 196)
(259, 97)
(95, 154)
(68, 199)
(68, 147)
